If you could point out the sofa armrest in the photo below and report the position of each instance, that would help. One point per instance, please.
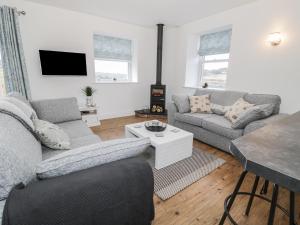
(90, 156)
(172, 109)
(261, 123)
(57, 110)
(116, 193)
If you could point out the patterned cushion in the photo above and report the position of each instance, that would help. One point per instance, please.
(200, 104)
(182, 102)
(51, 135)
(90, 156)
(219, 109)
(236, 109)
(254, 113)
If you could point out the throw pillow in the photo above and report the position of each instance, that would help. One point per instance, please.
(52, 135)
(252, 114)
(236, 109)
(200, 104)
(182, 102)
(27, 109)
(219, 109)
(16, 111)
(92, 155)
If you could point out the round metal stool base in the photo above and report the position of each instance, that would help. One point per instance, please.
(255, 195)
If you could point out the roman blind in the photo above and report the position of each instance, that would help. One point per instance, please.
(106, 47)
(215, 43)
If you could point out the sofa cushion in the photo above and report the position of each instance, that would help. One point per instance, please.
(75, 129)
(20, 153)
(91, 156)
(239, 107)
(2, 204)
(20, 97)
(203, 91)
(192, 118)
(260, 99)
(57, 110)
(182, 103)
(226, 98)
(200, 104)
(52, 135)
(75, 143)
(26, 108)
(220, 125)
(219, 109)
(220, 97)
(254, 113)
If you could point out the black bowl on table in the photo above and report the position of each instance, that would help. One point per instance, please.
(155, 126)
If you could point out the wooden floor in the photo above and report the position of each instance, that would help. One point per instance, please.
(202, 202)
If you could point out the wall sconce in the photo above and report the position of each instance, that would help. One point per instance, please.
(275, 39)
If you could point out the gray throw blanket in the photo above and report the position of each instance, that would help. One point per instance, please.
(118, 193)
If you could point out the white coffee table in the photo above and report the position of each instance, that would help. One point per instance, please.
(169, 149)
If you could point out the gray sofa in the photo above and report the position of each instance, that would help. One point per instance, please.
(132, 205)
(215, 129)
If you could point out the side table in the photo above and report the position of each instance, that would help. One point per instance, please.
(90, 115)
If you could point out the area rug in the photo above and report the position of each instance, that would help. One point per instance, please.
(172, 179)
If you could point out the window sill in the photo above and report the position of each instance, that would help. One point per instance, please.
(117, 82)
(190, 87)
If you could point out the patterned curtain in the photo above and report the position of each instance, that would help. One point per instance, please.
(107, 47)
(215, 43)
(15, 73)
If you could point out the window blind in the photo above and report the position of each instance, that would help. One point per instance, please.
(106, 47)
(215, 43)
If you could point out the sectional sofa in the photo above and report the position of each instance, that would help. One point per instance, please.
(120, 192)
(215, 129)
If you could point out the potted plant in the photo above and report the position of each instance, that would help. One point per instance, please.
(88, 92)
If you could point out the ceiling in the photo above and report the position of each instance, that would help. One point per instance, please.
(148, 12)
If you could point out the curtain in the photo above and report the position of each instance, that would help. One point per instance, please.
(215, 43)
(15, 73)
(107, 47)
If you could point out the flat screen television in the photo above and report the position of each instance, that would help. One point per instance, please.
(63, 63)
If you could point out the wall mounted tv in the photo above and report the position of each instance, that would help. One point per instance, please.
(63, 63)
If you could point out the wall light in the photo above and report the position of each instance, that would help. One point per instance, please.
(275, 39)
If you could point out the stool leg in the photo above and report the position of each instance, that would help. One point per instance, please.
(273, 204)
(254, 188)
(292, 208)
(236, 190)
(264, 189)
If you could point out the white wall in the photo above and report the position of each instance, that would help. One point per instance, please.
(51, 28)
(254, 66)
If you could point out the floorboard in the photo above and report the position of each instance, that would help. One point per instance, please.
(202, 202)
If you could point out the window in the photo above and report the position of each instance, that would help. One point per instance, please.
(214, 70)
(2, 83)
(113, 59)
(214, 55)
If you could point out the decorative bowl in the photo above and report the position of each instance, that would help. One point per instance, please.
(155, 126)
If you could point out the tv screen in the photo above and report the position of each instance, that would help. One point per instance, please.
(63, 63)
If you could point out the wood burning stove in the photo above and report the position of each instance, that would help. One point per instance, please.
(157, 90)
(157, 99)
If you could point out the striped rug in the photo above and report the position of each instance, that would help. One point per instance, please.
(172, 179)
